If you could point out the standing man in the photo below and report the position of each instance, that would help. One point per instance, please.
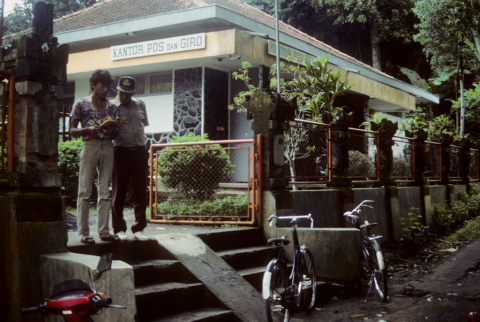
(97, 153)
(130, 160)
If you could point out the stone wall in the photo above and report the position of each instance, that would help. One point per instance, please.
(187, 106)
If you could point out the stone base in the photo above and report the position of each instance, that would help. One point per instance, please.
(30, 225)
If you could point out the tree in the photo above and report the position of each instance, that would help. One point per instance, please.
(22, 16)
(445, 28)
(383, 19)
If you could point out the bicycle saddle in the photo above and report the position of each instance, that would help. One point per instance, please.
(285, 241)
(368, 225)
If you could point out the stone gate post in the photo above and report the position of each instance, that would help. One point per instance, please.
(32, 220)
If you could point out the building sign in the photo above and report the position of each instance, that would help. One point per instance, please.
(158, 47)
(290, 53)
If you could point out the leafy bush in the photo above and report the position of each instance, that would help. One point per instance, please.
(69, 162)
(227, 207)
(360, 165)
(465, 208)
(197, 173)
(401, 168)
(470, 230)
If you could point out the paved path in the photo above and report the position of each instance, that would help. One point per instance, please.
(151, 229)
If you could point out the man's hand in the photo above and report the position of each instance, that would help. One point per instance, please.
(91, 130)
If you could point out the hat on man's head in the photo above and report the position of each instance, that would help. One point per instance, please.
(126, 84)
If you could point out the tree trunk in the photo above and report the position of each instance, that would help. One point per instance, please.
(374, 43)
(292, 173)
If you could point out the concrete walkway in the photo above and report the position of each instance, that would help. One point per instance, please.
(151, 229)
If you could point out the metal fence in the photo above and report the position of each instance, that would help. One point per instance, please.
(403, 162)
(308, 157)
(433, 161)
(307, 151)
(210, 182)
(363, 155)
(7, 123)
(64, 122)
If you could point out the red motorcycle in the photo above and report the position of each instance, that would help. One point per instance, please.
(75, 300)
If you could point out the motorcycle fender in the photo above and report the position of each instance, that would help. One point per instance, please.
(267, 278)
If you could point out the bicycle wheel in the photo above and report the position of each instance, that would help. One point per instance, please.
(278, 282)
(309, 281)
(379, 271)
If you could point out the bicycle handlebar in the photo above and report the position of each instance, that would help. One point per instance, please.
(354, 213)
(293, 218)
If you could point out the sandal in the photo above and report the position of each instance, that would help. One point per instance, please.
(110, 237)
(87, 240)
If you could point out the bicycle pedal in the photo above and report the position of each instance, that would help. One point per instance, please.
(277, 308)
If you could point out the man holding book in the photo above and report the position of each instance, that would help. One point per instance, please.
(97, 153)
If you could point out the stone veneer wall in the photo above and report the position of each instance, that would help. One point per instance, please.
(187, 115)
(216, 102)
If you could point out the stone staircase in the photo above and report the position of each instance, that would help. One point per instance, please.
(164, 289)
(245, 250)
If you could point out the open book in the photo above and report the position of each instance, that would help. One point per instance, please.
(110, 123)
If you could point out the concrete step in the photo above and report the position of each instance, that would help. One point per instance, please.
(160, 271)
(248, 257)
(221, 241)
(203, 315)
(127, 251)
(156, 301)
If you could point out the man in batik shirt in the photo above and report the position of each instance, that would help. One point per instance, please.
(97, 153)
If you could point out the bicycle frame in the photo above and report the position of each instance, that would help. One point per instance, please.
(294, 277)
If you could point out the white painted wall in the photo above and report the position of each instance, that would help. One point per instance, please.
(159, 107)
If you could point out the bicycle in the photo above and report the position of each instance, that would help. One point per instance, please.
(281, 296)
(372, 252)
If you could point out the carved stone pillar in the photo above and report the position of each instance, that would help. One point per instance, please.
(32, 214)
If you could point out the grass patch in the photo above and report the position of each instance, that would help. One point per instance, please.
(470, 230)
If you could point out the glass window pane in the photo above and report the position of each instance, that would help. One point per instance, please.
(161, 83)
(140, 84)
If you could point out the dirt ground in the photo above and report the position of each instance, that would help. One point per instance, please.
(427, 286)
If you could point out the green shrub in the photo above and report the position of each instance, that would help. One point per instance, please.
(401, 168)
(196, 174)
(231, 207)
(360, 165)
(69, 162)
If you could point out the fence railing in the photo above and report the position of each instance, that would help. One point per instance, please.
(210, 182)
(64, 122)
(8, 123)
(312, 159)
(364, 156)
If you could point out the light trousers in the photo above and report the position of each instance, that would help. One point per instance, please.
(96, 155)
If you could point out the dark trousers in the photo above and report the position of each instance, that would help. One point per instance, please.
(129, 163)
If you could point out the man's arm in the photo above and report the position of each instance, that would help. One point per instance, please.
(76, 132)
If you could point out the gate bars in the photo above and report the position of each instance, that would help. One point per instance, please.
(246, 180)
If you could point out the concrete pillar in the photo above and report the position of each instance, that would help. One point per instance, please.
(270, 116)
(465, 162)
(339, 137)
(32, 210)
(445, 158)
(386, 130)
(419, 151)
